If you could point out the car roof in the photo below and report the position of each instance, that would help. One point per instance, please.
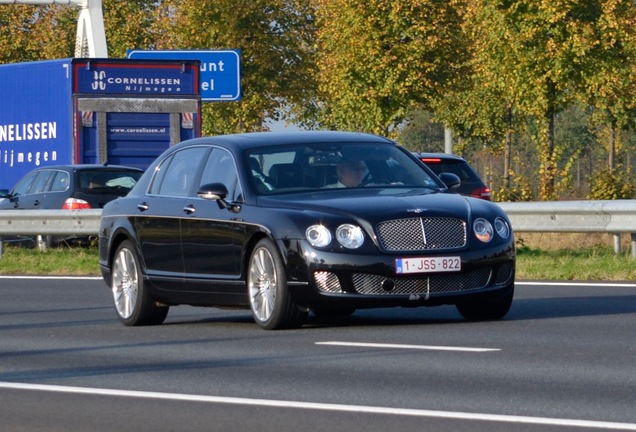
(85, 167)
(266, 139)
(443, 156)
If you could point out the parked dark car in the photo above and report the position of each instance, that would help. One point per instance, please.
(471, 184)
(262, 221)
(70, 187)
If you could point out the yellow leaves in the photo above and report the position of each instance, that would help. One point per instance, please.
(379, 56)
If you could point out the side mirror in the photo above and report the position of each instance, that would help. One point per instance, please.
(217, 192)
(4, 193)
(213, 191)
(451, 180)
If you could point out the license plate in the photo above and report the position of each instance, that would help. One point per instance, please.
(428, 264)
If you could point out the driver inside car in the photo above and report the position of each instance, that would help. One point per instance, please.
(350, 173)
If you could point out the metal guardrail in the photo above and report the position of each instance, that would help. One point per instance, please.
(48, 222)
(609, 216)
(613, 217)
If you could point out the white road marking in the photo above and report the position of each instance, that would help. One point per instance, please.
(578, 284)
(325, 406)
(412, 347)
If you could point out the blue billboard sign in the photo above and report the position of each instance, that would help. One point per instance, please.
(120, 77)
(220, 73)
(34, 121)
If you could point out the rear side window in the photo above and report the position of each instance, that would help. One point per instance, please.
(180, 173)
(60, 181)
(40, 182)
(220, 168)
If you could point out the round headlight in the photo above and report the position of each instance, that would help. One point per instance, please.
(483, 230)
(502, 228)
(318, 236)
(350, 236)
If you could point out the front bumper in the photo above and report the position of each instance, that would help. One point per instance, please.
(320, 279)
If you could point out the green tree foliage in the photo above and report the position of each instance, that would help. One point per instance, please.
(30, 33)
(15, 25)
(609, 185)
(532, 50)
(276, 42)
(609, 76)
(422, 134)
(377, 59)
(546, 88)
(128, 25)
(533, 59)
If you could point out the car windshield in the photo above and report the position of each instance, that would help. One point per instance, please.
(283, 169)
(103, 180)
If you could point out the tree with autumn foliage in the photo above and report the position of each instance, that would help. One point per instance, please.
(609, 76)
(377, 59)
(275, 38)
(531, 52)
(31, 33)
(276, 42)
(495, 71)
(532, 59)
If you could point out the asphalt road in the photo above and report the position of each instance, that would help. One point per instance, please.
(564, 359)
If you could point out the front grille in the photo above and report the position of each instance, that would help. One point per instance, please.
(371, 284)
(327, 282)
(504, 273)
(429, 233)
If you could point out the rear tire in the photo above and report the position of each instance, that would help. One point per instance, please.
(133, 304)
(270, 301)
(487, 309)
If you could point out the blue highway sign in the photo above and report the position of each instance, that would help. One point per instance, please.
(220, 75)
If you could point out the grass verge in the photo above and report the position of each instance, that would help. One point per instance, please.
(589, 263)
(596, 263)
(68, 261)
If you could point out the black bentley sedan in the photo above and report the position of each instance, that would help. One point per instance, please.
(296, 222)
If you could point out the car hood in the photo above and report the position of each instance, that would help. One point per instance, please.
(375, 205)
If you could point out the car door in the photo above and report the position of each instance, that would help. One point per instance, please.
(212, 236)
(20, 190)
(159, 214)
(30, 192)
(59, 188)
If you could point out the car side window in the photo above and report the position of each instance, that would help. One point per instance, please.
(159, 174)
(181, 172)
(40, 181)
(60, 182)
(220, 168)
(23, 186)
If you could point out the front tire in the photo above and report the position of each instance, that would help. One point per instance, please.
(133, 304)
(487, 309)
(270, 301)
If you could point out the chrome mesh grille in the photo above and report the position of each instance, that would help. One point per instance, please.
(327, 282)
(415, 234)
(371, 284)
